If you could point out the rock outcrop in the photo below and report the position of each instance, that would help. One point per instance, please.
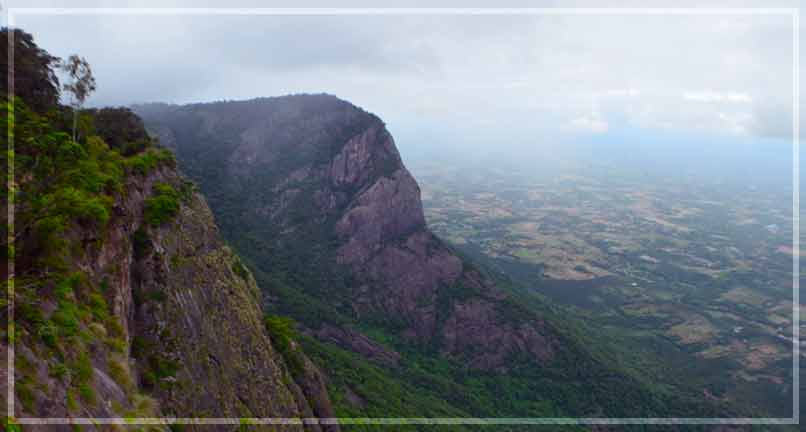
(359, 343)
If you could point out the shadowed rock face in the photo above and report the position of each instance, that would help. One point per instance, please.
(318, 170)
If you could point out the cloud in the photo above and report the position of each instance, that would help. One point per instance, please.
(710, 96)
(519, 76)
(589, 124)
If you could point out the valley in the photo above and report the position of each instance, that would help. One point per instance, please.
(698, 274)
(227, 236)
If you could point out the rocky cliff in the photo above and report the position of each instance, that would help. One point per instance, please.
(136, 307)
(312, 191)
(314, 163)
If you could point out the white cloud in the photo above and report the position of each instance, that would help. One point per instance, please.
(710, 96)
(514, 74)
(592, 124)
(738, 123)
(628, 92)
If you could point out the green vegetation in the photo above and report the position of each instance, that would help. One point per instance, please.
(119, 372)
(140, 243)
(23, 389)
(63, 189)
(121, 129)
(282, 333)
(58, 371)
(10, 425)
(147, 161)
(35, 79)
(239, 269)
(162, 206)
(156, 368)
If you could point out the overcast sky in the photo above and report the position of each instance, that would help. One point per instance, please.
(474, 79)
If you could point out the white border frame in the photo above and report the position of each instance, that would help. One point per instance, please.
(12, 12)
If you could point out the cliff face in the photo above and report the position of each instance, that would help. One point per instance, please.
(404, 271)
(321, 170)
(156, 318)
(195, 312)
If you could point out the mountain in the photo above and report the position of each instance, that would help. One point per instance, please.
(334, 298)
(128, 302)
(311, 190)
(315, 168)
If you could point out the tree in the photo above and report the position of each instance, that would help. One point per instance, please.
(81, 83)
(121, 129)
(35, 81)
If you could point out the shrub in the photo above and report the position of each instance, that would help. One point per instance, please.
(239, 269)
(98, 306)
(147, 161)
(10, 426)
(72, 404)
(139, 346)
(186, 190)
(25, 393)
(149, 379)
(87, 393)
(29, 313)
(82, 369)
(66, 288)
(70, 202)
(119, 371)
(162, 367)
(162, 206)
(57, 370)
(281, 329)
(97, 329)
(66, 318)
(116, 344)
(157, 296)
(114, 327)
(48, 332)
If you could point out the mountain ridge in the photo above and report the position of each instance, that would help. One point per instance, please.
(312, 192)
(379, 224)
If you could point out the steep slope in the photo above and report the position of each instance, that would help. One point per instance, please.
(127, 300)
(312, 191)
(335, 174)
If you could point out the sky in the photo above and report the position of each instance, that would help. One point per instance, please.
(479, 82)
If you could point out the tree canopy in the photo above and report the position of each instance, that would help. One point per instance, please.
(35, 80)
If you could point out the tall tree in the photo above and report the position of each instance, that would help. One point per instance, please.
(80, 84)
(35, 80)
